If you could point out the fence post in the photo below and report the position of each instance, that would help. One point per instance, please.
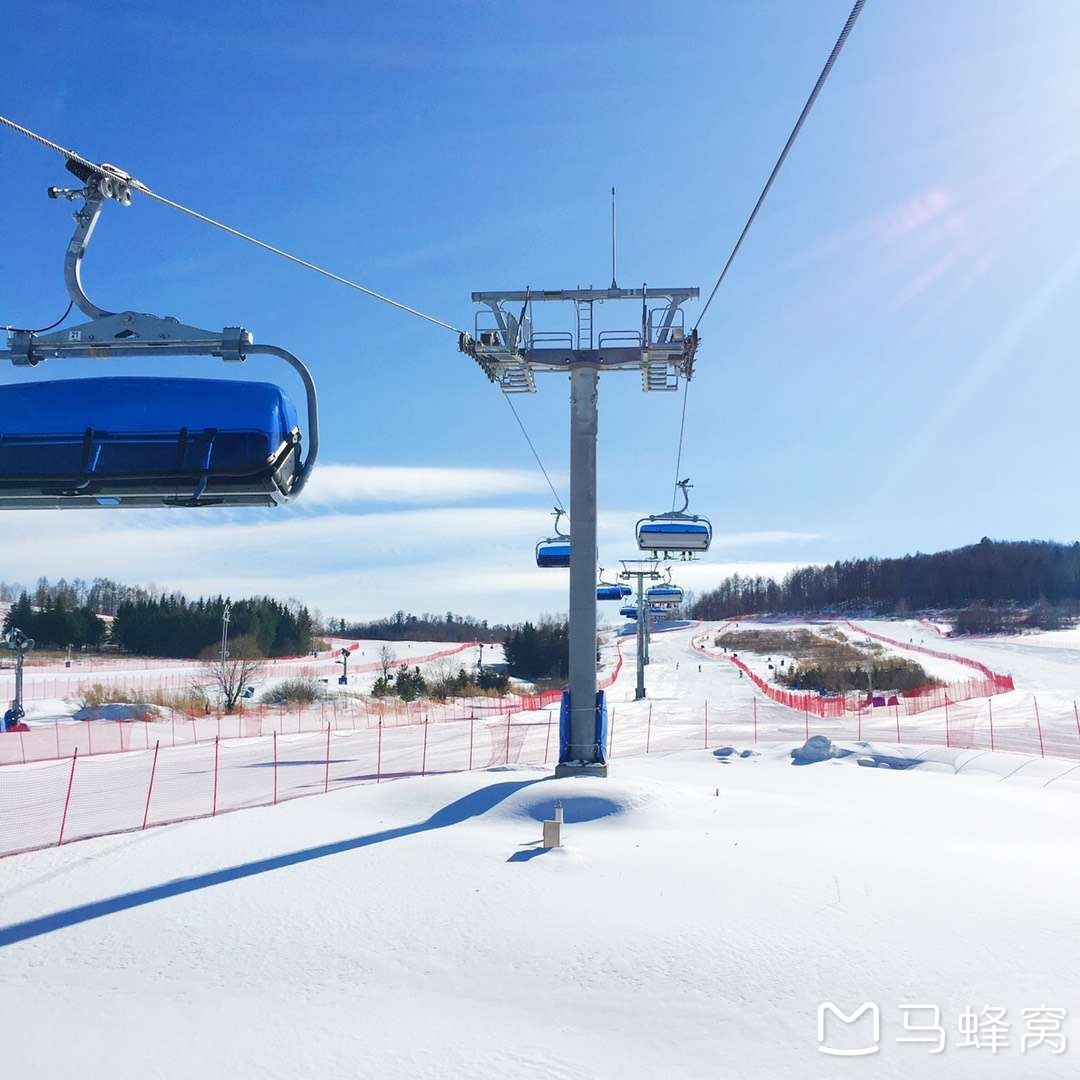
(150, 786)
(378, 757)
(146, 734)
(89, 738)
(172, 717)
(194, 732)
(56, 725)
(706, 723)
(67, 799)
(806, 714)
(120, 728)
(423, 759)
(947, 741)
(472, 721)
(990, 703)
(754, 701)
(611, 733)
(213, 808)
(326, 776)
(506, 755)
(648, 730)
(22, 747)
(275, 768)
(1038, 725)
(1077, 715)
(897, 708)
(858, 729)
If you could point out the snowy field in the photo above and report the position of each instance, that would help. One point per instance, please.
(53, 691)
(698, 915)
(702, 910)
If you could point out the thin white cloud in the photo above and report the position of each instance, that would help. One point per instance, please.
(757, 539)
(337, 485)
(473, 559)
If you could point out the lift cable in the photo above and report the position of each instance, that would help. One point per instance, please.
(836, 49)
(139, 186)
(678, 456)
(840, 41)
(558, 499)
(40, 329)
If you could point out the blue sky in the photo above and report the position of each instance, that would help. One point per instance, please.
(890, 366)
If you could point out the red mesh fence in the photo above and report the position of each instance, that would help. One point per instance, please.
(48, 803)
(179, 675)
(170, 728)
(912, 702)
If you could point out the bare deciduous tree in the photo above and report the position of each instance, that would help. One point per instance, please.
(387, 659)
(232, 674)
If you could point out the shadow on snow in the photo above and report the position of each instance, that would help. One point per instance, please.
(468, 806)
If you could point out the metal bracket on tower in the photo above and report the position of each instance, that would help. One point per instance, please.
(509, 350)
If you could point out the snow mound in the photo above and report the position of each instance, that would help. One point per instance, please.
(115, 712)
(583, 799)
(820, 748)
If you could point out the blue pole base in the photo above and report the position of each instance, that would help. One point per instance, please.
(590, 758)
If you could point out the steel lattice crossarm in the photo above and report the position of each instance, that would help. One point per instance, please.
(510, 350)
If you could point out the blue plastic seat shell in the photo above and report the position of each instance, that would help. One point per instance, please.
(146, 437)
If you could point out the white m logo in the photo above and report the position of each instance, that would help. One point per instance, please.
(844, 1018)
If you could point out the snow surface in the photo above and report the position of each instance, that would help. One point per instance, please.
(700, 912)
(704, 906)
(53, 691)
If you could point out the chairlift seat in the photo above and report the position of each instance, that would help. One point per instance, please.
(139, 441)
(628, 611)
(612, 592)
(664, 594)
(553, 554)
(671, 534)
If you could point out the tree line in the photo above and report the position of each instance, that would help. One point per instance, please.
(172, 625)
(990, 573)
(539, 651)
(102, 595)
(55, 625)
(407, 627)
(160, 624)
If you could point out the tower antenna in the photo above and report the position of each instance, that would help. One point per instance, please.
(613, 283)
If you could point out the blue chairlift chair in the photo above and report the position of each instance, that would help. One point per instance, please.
(676, 532)
(152, 441)
(554, 552)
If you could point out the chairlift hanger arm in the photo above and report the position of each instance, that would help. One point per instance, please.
(136, 334)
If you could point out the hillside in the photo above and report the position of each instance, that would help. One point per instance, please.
(991, 572)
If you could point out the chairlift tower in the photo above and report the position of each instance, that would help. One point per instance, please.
(643, 570)
(511, 352)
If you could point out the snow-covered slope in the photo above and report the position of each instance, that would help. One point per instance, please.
(700, 912)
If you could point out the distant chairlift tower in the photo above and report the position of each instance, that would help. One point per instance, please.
(510, 352)
(644, 570)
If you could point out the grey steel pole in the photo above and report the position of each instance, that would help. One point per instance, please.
(582, 748)
(639, 692)
(18, 706)
(648, 637)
